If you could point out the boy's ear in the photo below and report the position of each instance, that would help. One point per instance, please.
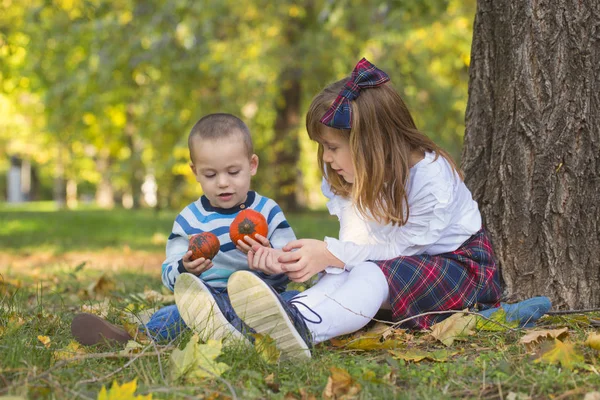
(193, 168)
(253, 164)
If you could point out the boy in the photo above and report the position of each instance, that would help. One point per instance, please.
(223, 162)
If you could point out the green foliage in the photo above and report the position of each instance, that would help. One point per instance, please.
(105, 91)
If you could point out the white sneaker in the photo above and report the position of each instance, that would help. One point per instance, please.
(201, 311)
(261, 308)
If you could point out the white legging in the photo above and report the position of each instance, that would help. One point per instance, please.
(345, 302)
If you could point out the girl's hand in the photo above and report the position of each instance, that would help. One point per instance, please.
(197, 266)
(248, 243)
(310, 258)
(264, 259)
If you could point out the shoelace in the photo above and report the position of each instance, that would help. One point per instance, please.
(293, 303)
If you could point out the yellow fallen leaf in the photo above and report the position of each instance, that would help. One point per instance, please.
(417, 355)
(124, 392)
(13, 324)
(536, 336)
(366, 343)
(132, 347)
(265, 346)
(197, 361)
(340, 385)
(45, 340)
(562, 353)
(593, 341)
(72, 350)
(496, 322)
(456, 326)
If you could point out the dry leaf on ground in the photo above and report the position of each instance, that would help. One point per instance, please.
(593, 341)
(534, 337)
(340, 385)
(562, 353)
(72, 350)
(456, 326)
(45, 340)
(417, 355)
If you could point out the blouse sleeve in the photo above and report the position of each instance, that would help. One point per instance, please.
(428, 217)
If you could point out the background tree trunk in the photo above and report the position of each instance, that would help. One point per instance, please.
(532, 144)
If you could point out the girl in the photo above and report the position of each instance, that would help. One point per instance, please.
(410, 233)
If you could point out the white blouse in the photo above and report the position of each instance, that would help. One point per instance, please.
(442, 216)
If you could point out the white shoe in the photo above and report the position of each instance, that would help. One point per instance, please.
(260, 307)
(200, 311)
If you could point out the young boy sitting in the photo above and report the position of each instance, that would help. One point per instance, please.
(223, 162)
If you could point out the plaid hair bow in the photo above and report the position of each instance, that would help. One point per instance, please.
(365, 75)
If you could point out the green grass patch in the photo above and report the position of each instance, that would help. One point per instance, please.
(41, 302)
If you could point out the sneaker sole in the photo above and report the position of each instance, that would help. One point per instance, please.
(201, 313)
(89, 330)
(256, 304)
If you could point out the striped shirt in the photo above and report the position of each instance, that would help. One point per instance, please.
(200, 216)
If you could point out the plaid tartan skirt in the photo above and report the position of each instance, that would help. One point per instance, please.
(464, 278)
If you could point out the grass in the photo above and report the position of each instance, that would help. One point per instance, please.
(39, 299)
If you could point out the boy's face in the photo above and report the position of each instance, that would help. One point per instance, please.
(223, 169)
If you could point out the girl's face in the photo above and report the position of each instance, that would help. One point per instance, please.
(336, 153)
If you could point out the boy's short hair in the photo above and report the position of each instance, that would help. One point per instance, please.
(219, 126)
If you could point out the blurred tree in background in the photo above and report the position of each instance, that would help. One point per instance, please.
(99, 96)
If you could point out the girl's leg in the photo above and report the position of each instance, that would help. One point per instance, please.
(350, 307)
(322, 289)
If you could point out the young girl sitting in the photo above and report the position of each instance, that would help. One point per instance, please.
(411, 236)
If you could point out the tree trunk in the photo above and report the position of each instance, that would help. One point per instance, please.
(532, 144)
(287, 142)
(59, 192)
(105, 194)
(136, 172)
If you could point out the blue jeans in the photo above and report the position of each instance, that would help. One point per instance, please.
(166, 324)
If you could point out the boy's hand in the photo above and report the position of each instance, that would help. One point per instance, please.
(248, 243)
(264, 259)
(196, 267)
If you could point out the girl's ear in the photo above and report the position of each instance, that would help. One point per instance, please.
(253, 164)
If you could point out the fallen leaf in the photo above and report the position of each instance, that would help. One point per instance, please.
(197, 361)
(265, 346)
(366, 343)
(103, 286)
(456, 326)
(340, 385)
(132, 347)
(593, 341)
(123, 392)
(272, 383)
(99, 309)
(72, 350)
(534, 337)
(496, 322)
(562, 353)
(417, 355)
(45, 340)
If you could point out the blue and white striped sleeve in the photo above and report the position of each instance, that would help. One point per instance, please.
(177, 246)
(280, 231)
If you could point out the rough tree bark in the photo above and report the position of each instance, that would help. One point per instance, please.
(532, 144)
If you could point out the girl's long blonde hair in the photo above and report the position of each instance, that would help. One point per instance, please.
(382, 138)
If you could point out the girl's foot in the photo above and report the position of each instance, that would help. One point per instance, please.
(89, 329)
(206, 312)
(259, 306)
